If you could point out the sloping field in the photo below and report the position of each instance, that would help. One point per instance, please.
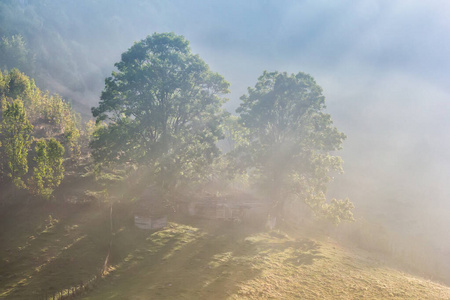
(184, 262)
(203, 260)
(47, 248)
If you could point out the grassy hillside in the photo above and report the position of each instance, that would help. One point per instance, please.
(46, 247)
(187, 260)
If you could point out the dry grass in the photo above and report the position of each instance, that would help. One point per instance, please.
(203, 260)
(184, 262)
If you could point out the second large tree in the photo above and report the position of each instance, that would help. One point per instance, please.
(291, 143)
(163, 110)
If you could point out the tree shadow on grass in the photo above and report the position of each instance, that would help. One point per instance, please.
(206, 260)
(306, 251)
(183, 262)
(214, 265)
(60, 255)
(301, 251)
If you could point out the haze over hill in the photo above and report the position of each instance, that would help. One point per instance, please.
(383, 66)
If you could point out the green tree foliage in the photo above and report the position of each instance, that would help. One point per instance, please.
(55, 152)
(14, 53)
(49, 170)
(16, 140)
(27, 111)
(37, 183)
(16, 85)
(291, 140)
(163, 107)
(51, 115)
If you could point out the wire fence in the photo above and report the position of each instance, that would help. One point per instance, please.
(67, 293)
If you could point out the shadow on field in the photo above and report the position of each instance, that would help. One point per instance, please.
(202, 260)
(47, 247)
(185, 262)
(306, 251)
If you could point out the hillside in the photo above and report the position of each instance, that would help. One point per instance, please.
(53, 248)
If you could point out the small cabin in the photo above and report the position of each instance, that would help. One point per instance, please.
(148, 222)
(149, 211)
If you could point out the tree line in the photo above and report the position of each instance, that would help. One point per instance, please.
(37, 132)
(161, 112)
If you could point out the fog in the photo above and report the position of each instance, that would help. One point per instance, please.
(383, 65)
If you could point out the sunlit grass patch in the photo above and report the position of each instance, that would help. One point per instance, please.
(220, 259)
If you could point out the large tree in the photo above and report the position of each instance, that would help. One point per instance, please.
(163, 110)
(291, 141)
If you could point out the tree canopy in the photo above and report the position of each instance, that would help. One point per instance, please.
(49, 170)
(34, 120)
(16, 140)
(163, 110)
(291, 141)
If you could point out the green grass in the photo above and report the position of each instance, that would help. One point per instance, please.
(191, 260)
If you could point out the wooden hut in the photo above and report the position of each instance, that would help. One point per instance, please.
(150, 211)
